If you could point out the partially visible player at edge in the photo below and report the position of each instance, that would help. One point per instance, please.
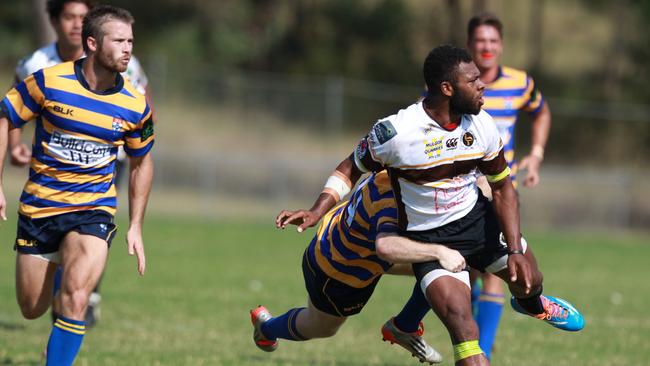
(84, 111)
(66, 17)
(433, 151)
(354, 246)
(507, 91)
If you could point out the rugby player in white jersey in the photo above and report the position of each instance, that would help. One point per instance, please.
(433, 151)
(66, 17)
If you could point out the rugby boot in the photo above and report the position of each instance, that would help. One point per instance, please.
(259, 316)
(412, 342)
(557, 312)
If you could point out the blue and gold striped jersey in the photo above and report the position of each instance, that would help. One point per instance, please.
(77, 134)
(344, 247)
(511, 92)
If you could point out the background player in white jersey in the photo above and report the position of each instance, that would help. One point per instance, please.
(66, 17)
(507, 92)
(434, 151)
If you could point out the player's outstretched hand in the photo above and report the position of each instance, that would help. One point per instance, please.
(530, 164)
(20, 155)
(302, 218)
(451, 260)
(135, 247)
(520, 271)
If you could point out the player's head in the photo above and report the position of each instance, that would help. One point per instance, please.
(485, 40)
(66, 17)
(108, 36)
(449, 72)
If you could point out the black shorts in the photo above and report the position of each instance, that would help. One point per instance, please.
(475, 236)
(331, 296)
(44, 235)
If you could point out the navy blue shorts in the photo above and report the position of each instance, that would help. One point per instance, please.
(476, 236)
(331, 296)
(44, 235)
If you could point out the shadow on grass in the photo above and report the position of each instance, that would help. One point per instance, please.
(8, 361)
(305, 361)
(11, 326)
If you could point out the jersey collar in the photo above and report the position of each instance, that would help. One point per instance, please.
(119, 80)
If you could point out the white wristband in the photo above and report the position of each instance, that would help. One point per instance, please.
(337, 187)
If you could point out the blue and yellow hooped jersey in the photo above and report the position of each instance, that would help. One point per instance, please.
(344, 247)
(77, 134)
(511, 92)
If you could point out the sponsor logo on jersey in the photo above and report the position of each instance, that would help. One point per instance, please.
(468, 139)
(78, 151)
(362, 148)
(64, 111)
(452, 143)
(430, 127)
(433, 148)
(384, 131)
(147, 130)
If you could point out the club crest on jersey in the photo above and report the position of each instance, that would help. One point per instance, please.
(384, 131)
(433, 148)
(117, 124)
(362, 148)
(508, 103)
(468, 139)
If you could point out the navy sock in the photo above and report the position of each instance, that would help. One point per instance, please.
(490, 307)
(284, 326)
(65, 341)
(533, 304)
(408, 320)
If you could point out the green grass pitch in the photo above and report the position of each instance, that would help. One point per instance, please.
(191, 307)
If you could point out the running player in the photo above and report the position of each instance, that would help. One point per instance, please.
(507, 91)
(66, 17)
(84, 110)
(433, 151)
(354, 246)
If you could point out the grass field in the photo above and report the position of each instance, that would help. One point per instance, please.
(191, 308)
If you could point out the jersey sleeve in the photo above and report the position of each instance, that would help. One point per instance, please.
(139, 141)
(24, 101)
(493, 164)
(374, 152)
(533, 97)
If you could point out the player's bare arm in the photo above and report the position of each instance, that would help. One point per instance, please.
(141, 177)
(338, 185)
(4, 131)
(504, 201)
(541, 127)
(398, 249)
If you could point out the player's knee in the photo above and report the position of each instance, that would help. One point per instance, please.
(459, 322)
(31, 309)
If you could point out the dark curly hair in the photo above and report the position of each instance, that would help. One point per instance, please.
(55, 7)
(441, 65)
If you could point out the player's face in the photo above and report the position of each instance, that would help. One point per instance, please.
(486, 47)
(114, 51)
(468, 90)
(68, 25)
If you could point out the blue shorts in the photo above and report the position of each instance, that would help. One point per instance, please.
(43, 236)
(331, 296)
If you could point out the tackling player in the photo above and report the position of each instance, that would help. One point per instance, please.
(84, 111)
(507, 91)
(66, 17)
(354, 246)
(433, 151)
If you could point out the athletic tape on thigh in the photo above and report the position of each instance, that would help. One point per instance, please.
(462, 276)
(502, 262)
(50, 257)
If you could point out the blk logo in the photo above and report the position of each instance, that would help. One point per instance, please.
(61, 110)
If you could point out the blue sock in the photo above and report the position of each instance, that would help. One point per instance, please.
(408, 320)
(489, 314)
(476, 292)
(57, 280)
(65, 341)
(284, 326)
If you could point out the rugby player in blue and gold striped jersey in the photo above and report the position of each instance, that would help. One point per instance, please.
(355, 244)
(507, 92)
(84, 110)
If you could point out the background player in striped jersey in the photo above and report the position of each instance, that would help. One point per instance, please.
(507, 92)
(434, 151)
(84, 111)
(354, 246)
(66, 17)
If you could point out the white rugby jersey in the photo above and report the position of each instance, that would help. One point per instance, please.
(433, 171)
(49, 56)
